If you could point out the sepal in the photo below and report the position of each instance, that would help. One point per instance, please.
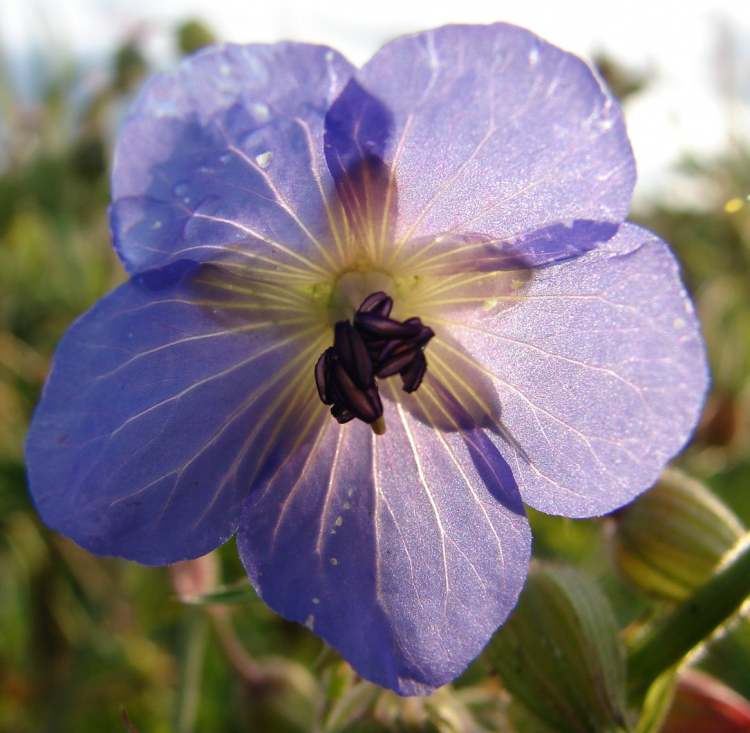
(559, 654)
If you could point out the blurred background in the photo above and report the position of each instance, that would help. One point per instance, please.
(90, 644)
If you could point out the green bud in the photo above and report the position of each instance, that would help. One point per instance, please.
(193, 35)
(559, 655)
(671, 540)
(129, 66)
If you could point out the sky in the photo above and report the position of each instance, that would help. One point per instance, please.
(697, 51)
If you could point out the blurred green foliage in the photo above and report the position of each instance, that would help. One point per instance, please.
(83, 639)
(193, 35)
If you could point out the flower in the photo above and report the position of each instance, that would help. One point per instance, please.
(473, 178)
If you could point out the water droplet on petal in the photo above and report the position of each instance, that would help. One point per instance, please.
(264, 159)
(260, 111)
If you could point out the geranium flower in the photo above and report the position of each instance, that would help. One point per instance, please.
(291, 226)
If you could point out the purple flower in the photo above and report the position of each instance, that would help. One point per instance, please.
(468, 181)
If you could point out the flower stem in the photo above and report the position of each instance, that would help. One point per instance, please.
(675, 636)
(191, 671)
(235, 652)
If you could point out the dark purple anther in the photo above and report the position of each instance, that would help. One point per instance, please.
(379, 326)
(397, 362)
(413, 374)
(375, 345)
(378, 303)
(351, 350)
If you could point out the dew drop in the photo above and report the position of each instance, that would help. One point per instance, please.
(260, 111)
(264, 159)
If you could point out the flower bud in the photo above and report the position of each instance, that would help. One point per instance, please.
(671, 540)
(559, 654)
(194, 578)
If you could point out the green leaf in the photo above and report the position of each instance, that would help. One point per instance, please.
(657, 703)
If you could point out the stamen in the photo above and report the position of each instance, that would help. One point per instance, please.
(376, 325)
(373, 345)
(378, 303)
(413, 374)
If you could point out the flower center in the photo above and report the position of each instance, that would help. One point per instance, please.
(371, 345)
(353, 287)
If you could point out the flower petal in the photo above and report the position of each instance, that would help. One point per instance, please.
(452, 254)
(404, 551)
(497, 132)
(166, 402)
(357, 131)
(600, 370)
(227, 152)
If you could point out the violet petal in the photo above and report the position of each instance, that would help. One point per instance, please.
(403, 551)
